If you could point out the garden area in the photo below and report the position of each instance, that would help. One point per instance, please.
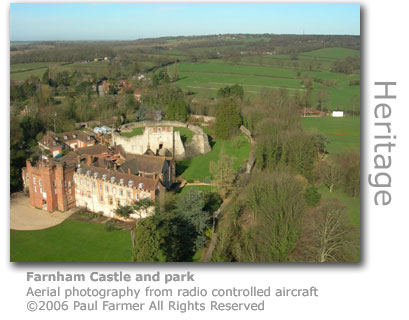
(71, 241)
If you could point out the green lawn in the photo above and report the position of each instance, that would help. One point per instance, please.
(185, 134)
(71, 241)
(343, 133)
(197, 168)
(134, 132)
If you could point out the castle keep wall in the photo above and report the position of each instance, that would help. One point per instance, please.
(159, 135)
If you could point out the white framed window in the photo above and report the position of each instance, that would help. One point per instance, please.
(69, 184)
(113, 190)
(40, 182)
(128, 194)
(106, 189)
(35, 189)
(34, 181)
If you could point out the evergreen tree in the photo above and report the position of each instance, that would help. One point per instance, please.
(228, 119)
(149, 241)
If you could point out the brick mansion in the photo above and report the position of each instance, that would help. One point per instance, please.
(83, 169)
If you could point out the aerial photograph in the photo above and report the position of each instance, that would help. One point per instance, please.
(185, 132)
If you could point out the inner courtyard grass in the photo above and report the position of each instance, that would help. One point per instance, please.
(71, 241)
(134, 132)
(198, 168)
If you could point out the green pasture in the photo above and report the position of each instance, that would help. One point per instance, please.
(71, 241)
(343, 133)
(197, 168)
(332, 53)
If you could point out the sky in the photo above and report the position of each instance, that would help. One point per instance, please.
(131, 21)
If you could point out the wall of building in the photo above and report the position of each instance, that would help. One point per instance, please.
(152, 138)
(104, 197)
(51, 187)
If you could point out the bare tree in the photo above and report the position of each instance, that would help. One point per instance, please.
(332, 240)
(223, 173)
(329, 173)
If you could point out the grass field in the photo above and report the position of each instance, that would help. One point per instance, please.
(255, 73)
(185, 134)
(71, 241)
(197, 168)
(343, 133)
(23, 71)
(134, 132)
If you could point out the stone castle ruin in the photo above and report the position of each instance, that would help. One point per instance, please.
(161, 138)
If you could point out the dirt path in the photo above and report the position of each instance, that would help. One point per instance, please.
(24, 217)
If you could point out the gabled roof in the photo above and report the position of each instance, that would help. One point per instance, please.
(84, 136)
(143, 163)
(98, 173)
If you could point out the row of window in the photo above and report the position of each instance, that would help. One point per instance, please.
(113, 190)
(40, 183)
(55, 190)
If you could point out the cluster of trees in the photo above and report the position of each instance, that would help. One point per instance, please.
(279, 214)
(180, 227)
(23, 144)
(228, 118)
(160, 77)
(265, 221)
(340, 171)
(235, 91)
(348, 65)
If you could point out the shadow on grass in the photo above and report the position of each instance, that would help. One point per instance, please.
(181, 166)
(211, 141)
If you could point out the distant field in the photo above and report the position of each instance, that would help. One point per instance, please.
(197, 168)
(343, 133)
(71, 241)
(23, 71)
(332, 53)
(255, 73)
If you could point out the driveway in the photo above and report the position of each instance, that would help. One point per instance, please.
(25, 217)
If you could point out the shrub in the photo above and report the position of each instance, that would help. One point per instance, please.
(110, 226)
(312, 196)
